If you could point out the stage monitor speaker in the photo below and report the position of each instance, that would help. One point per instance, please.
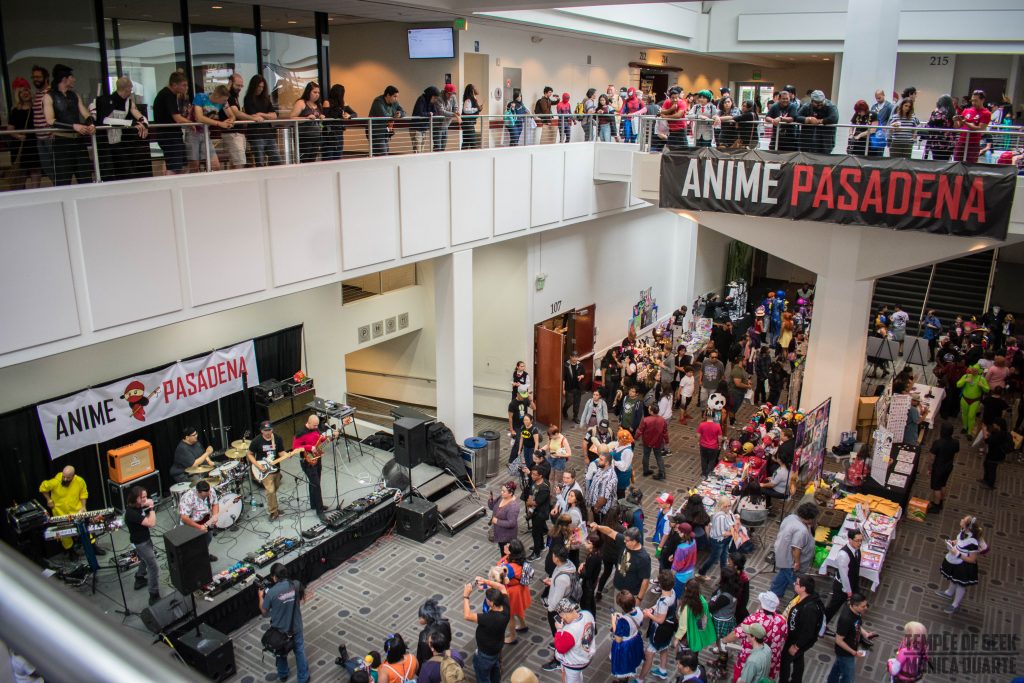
(209, 652)
(188, 561)
(417, 519)
(167, 612)
(410, 441)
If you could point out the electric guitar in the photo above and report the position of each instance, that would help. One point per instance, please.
(313, 456)
(270, 465)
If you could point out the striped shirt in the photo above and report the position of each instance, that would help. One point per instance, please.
(38, 116)
(721, 522)
(601, 484)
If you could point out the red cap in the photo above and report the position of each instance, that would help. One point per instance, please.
(449, 87)
(19, 83)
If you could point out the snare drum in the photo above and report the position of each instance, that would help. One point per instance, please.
(178, 490)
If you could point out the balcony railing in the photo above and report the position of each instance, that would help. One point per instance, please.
(46, 157)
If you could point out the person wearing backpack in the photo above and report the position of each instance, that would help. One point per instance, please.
(399, 665)
(662, 625)
(806, 621)
(281, 603)
(443, 666)
(563, 583)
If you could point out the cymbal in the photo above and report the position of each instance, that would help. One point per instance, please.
(199, 469)
(239, 444)
(235, 453)
(212, 481)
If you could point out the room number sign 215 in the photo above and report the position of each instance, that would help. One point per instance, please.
(938, 60)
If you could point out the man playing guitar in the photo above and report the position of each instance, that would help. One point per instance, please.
(265, 452)
(311, 441)
(198, 509)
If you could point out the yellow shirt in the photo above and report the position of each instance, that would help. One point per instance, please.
(66, 499)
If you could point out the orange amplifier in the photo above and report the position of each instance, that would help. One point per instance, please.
(130, 462)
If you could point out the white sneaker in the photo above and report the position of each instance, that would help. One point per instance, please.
(655, 587)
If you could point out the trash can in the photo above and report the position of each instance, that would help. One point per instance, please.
(493, 451)
(477, 448)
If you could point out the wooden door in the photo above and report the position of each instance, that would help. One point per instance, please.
(547, 375)
(583, 341)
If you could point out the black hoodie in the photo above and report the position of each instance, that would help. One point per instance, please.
(805, 620)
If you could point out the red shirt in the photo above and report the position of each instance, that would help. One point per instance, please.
(709, 433)
(306, 440)
(653, 430)
(971, 141)
(675, 124)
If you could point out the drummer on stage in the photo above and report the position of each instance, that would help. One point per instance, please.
(189, 453)
(307, 440)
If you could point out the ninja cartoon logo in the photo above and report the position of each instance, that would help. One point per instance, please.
(135, 394)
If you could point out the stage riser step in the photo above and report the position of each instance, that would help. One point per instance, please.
(462, 516)
(451, 501)
(436, 486)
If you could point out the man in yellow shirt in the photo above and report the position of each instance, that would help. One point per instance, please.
(66, 494)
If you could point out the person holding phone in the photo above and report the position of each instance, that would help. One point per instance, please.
(849, 634)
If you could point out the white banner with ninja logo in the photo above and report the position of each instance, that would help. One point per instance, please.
(103, 413)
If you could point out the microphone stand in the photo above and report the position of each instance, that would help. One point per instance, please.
(127, 611)
(296, 495)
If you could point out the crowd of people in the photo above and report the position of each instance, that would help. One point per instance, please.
(241, 122)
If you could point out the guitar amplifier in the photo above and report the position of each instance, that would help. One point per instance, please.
(293, 388)
(268, 391)
(130, 462)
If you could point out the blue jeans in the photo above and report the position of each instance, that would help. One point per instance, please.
(782, 582)
(487, 667)
(718, 551)
(604, 132)
(301, 668)
(844, 670)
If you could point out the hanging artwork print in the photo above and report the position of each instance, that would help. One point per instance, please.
(645, 311)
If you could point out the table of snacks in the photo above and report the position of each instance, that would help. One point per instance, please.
(876, 518)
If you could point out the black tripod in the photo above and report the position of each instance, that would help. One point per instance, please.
(916, 355)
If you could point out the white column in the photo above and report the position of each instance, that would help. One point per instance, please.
(869, 54)
(453, 309)
(838, 344)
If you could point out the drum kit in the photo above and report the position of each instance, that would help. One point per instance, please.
(226, 479)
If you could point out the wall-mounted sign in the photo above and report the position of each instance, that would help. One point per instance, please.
(556, 307)
(643, 56)
(952, 198)
(476, 46)
(756, 76)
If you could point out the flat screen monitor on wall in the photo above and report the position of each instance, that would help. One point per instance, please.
(431, 43)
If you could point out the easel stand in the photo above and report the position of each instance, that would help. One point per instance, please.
(916, 357)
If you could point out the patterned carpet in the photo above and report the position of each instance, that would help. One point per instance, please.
(379, 592)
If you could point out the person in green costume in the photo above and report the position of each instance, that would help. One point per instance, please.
(695, 625)
(973, 386)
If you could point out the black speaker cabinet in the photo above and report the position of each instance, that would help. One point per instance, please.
(410, 441)
(169, 610)
(416, 518)
(187, 558)
(209, 652)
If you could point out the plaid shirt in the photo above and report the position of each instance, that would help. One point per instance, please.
(194, 507)
(601, 483)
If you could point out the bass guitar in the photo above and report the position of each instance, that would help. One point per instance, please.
(269, 465)
(313, 456)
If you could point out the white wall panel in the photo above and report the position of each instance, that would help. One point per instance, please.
(423, 189)
(613, 161)
(303, 215)
(789, 26)
(610, 196)
(512, 192)
(131, 257)
(472, 183)
(37, 261)
(214, 238)
(578, 188)
(358, 184)
(546, 180)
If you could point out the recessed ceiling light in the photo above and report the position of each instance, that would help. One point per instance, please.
(292, 21)
(216, 7)
(826, 59)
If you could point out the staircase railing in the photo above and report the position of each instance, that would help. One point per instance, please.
(927, 291)
(991, 278)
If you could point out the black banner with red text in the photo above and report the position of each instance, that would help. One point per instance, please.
(949, 198)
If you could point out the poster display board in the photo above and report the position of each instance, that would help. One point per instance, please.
(811, 437)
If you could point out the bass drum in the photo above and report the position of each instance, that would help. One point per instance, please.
(230, 510)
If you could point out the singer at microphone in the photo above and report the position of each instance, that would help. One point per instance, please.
(140, 518)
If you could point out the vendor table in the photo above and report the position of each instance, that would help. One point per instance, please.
(932, 403)
(879, 533)
(900, 474)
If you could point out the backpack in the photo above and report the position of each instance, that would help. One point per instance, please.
(510, 119)
(527, 574)
(451, 672)
(579, 108)
(627, 513)
(575, 591)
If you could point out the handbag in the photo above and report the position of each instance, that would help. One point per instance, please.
(878, 140)
(490, 533)
(279, 642)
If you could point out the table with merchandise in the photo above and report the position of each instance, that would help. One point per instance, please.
(900, 474)
(877, 519)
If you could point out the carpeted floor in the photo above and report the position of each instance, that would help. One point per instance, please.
(379, 592)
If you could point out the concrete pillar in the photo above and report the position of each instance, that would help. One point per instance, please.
(453, 309)
(869, 54)
(838, 343)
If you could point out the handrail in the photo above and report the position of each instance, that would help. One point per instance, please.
(62, 636)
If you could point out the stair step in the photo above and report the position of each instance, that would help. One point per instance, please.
(435, 486)
(451, 500)
(462, 516)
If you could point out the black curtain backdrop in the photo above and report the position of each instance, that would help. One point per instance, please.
(278, 356)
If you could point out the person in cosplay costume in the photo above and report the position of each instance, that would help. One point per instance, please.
(773, 306)
(632, 107)
(973, 386)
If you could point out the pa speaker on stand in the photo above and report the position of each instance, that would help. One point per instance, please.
(188, 561)
(416, 518)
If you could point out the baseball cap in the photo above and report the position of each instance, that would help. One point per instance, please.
(665, 498)
(449, 87)
(817, 96)
(265, 426)
(603, 424)
(566, 605)
(755, 630)
(769, 601)
(524, 390)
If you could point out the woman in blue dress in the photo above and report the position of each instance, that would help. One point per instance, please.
(627, 643)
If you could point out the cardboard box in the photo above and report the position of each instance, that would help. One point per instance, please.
(917, 509)
(866, 407)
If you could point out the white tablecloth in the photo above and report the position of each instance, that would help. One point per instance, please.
(839, 540)
(932, 403)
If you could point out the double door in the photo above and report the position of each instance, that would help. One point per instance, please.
(554, 341)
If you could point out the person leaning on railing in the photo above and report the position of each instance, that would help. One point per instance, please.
(65, 111)
(337, 113)
(261, 135)
(24, 170)
(516, 114)
(384, 106)
(171, 106)
(124, 147)
(308, 107)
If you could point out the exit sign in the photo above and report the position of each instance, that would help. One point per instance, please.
(460, 24)
(757, 76)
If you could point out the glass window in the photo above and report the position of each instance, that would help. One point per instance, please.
(289, 53)
(223, 41)
(48, 32)
(146, 45)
